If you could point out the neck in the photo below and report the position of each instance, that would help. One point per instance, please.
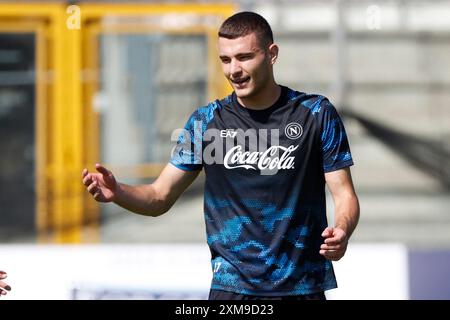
(263, 100)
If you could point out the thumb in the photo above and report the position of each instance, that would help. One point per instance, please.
(328, 232)
(102, 170)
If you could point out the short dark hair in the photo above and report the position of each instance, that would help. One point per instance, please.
(243, 23)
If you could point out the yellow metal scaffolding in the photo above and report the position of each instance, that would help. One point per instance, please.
(67, 133)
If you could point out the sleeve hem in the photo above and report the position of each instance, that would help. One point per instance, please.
(194, 167)
(339, 165)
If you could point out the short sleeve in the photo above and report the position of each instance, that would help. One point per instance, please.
(186, 155)
(335, 147)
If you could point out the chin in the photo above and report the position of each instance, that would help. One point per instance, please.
(243, 93)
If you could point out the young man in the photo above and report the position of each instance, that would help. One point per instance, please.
(267, 152)
(4, 287)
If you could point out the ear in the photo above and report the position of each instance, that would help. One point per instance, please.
(273, 52)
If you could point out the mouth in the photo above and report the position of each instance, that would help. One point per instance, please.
(241, 82)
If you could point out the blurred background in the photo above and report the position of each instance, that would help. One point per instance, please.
(108, 81)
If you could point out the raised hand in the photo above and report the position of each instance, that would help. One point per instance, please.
(102, 185)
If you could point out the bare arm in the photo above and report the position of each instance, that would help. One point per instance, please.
(346, 214)
(150, 199)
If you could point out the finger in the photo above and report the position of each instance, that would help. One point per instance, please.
(3, 275)
(332, 241)
(87, 180)
(4, 286)
(97, 195)
(102, 169)
(332, 254)
(93, 187)
(326, 251)
(335, 239)
(328, 232)
(84, 172)
(327, 247)
(329, 254)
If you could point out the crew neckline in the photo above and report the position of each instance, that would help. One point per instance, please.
(280, 101)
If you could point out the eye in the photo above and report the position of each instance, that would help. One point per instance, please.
(245, 57)
(225, 59)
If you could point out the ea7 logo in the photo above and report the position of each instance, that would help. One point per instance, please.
(228, 133)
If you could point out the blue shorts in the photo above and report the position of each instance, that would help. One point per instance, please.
(227, 295)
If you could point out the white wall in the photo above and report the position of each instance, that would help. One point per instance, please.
(174, 271)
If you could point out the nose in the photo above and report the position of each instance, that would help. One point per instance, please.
(235, 68)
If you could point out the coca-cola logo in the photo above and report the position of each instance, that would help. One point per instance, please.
(274, 158)
(252, 149)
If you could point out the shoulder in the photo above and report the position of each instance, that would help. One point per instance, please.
(312, 101)
(316, 103)
(206, 113)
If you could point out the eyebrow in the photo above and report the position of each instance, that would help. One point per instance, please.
(245, 54)
(241, 54)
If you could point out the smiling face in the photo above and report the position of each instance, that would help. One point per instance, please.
(248, 66)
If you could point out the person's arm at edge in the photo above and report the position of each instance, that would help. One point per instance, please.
(150, 200)
(346, 214)
(4, 287)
